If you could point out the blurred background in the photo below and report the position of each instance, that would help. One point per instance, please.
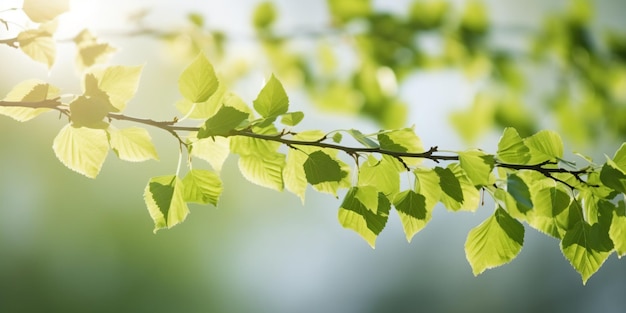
(72, 244)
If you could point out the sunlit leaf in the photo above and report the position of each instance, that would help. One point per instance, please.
(617, 231)
(225, 120)
(511, 148)
(82, 149)
(320, 167)
(356, 216)
(362, 139)
(92, 107)
(494, 242)
(613, 177)
(165, 201)
(132, 144)
(28, 91)
(272, 101)
(263, 170)
(41, 11)
(544, 146)
(38, 44)
(120, 83)
(402, 140)
(198, 81)
(586, 247)
(427, 184)
(206, 109)
(292, 119)
(520, 192)
(213, 150)
(345, 10)
(411, 208)
(478, 166)
(382, 174)
(202, 186)
(91, 51)
(550, 213)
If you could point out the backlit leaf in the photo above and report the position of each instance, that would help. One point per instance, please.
(511, 148)
(198, 81)
(494, 242)
(612, 177)
(264, 170)
(320, 167)
(292, 119)
(345, 10)
(402, 140)
(450, 186)
(356, 216)
(544, 146)
(550, 213)
(40, 11)
(28, 91)
(165, 201)
(202, 186)
(427, 184)
(120, 83)
(206, 109)
(411, 208)
(92, 107)
(586, 247)
(362, 139)
(382, 174)
(520, 192)
(38, 44)
(82, 149)
(478, 166)
(213, 150)
(272, 101)
(225, 120)
(91, 51)
(617, 231)
(132, 144)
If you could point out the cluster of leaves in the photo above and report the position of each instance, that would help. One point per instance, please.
(528, 178)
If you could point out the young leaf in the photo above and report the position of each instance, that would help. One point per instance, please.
(402, 140)
(449, 184)
(356, 216)
(520, 192)
(362, 139)
(544, 146)
(411, 207)
(263, 169)
(617, 231)
(320, 167)
(41, 11)
(550, 214)
(90, 109)
(206, 109)
(586, 247)
(511, 148)
(292, 119)
(272, 101)
(382, 174)
(38, 44)
(165, 201)
(90, 51)
(213, 150)
(620, 158)
(81, 149)
(225, 120)
(202, 186)
(427, 184)
(198, 81)
(494, 242)
(613, 177)
(468, 198)
(132, 144)
(119, 83)
(28, 91)
(478, 166)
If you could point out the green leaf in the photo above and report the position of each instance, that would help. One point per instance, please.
(544, 146)
(119, 83)
(40, 11)
(165, 201)
(550, 214)
(511, 148)
(402, 140)
(612, 177)
(92, 107)
(272, 101)
(411, 207)
(28, 91)
(520, 192)
(82, 149)
(496, 241)
(337, 137)
(320, 167)
(362, 139)
(264, 15)
(220, 124)
(620, 158)
(263, 169)
(427, 184)
(202, 186)
(617, 231)
(206, 109)
(478, 166)
(38, 44)
(382, 174)
(449, 184)
(345, 10)
(586, 247)
(353, 214)
(91, 51)
(292, 119)
(213, 150)
(198, 81)
(132, 144)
